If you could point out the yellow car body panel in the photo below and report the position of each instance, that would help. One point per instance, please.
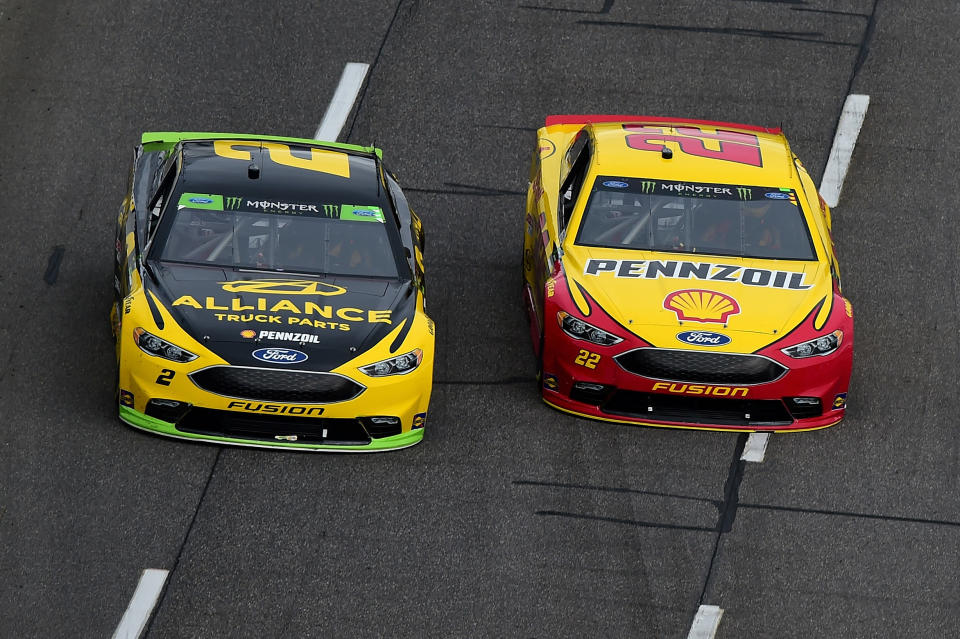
(736, 304)
(330, 350)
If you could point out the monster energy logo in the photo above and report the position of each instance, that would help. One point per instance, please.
(647, 186)
(331, 210)
(232, 203)
(744, 193)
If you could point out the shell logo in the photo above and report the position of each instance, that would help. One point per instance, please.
(698, 305)
(248, 334)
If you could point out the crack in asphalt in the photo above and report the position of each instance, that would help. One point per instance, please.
(728, 510)
(864, 49)
(373, 67)
(740, 505)
(183, 544)
(862, 52)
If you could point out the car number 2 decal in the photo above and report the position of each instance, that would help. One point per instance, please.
(588, 359)
(320, 160)
(742, 148)
(165, 376)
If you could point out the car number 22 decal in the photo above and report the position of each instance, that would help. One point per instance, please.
(742, 148)
(586, 358)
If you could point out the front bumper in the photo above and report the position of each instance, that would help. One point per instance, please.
(810, 395)
(161, 397)
(152, 424)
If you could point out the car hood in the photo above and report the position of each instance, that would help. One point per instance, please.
(238, 314)
(659, 296)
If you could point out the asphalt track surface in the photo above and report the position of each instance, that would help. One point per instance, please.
(510, 519)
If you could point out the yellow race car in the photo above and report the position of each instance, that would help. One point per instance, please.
(270, 292)
(682, 273)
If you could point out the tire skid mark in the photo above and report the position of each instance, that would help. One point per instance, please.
(797, 36)
(849, 14)
(614, 489)
(466, 189)
(604, 9)
(617, 520)
(6, 353)
(481, 382)
(852, 515)
(53, 264)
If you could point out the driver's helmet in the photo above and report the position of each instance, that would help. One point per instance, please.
(758, 226)
(299, 246)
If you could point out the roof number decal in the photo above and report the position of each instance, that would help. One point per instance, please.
(742, 148)
(320, 160)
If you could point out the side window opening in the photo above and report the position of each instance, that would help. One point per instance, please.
(160, 197)
(573, 184)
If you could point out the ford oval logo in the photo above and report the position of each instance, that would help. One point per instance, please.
(615, 184)
(777, 196)
(280, 355)
(201, 200)
(703, 338)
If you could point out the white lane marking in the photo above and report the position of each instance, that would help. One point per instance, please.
(705, 622)
(851, 119)
(343, 98)
(756, 447)
(141, 604)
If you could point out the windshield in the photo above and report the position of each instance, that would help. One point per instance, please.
(692, 217)
(302, 238)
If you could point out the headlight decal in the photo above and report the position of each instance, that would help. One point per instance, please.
(816, 347)
(399, 365)
(581, 330)
(159, 347)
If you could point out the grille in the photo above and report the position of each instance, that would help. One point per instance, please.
(698, 367)
(221, 423)
(271, 385)
(700, 410)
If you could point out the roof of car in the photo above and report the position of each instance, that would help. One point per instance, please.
(705, 152)
(286, 171)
